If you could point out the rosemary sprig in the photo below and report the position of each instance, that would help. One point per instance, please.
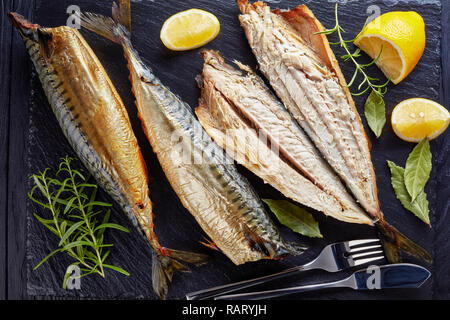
(71, 200)
(368, 81)
(374, 108)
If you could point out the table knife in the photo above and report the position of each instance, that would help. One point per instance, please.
(402, 275)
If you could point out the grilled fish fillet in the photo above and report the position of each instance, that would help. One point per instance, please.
(94, 120)
(206, 180)
(304, 73)
(240, 113)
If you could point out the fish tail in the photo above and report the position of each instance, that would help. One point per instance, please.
(122, 13)
(394, 242)
(272, 249)
(279, 250)
(115, 28)
(295, 248)
(165, 264)
(103, 26)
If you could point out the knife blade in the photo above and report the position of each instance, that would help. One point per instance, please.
(402, 275)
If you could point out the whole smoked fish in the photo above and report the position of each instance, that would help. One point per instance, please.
(206, 180)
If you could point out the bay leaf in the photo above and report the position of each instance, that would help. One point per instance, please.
(375, 112)
(419, 206)
(295, 218)
(418, 169)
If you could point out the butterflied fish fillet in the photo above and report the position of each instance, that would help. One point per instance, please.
(206, 181)
(95, 122)
(239, 112)
(304, 73)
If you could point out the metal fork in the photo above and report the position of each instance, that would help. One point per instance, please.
(334, 257)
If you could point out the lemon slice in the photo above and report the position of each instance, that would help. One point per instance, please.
(400, 37)
(415, 119)
(189, 29)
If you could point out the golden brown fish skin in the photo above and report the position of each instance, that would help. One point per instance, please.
(302, 68)
(237, 110)
(210, 187)
(92, 116)
(95, 122)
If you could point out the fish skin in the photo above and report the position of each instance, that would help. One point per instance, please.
(304, 72)
(232, 103)
(211, 189)
(109, 148)
(94, 120)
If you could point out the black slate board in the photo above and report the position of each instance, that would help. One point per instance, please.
(175, 227)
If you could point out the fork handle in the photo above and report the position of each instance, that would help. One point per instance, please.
(221, 290)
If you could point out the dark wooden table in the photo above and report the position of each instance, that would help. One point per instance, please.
(15, 88)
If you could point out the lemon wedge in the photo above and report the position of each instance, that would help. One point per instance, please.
(189, 29)
(415, 119)
(400, 37)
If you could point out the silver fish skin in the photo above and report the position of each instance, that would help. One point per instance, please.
(208, 183)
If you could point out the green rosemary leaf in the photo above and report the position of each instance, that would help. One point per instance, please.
(39, 185)
(362, 92)
(69, 232)
(47, 224)
(87, 185)
(106, 255)
(42, 220)
(118, 269)
(82, 252)
(69, 205)
(99, 204)
(77, 243)
(79, 174)
(113, 226)
(46, 258)
(105, 245)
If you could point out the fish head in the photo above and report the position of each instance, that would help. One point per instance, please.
(26, 29)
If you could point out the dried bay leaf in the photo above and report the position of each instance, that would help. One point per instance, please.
(297, 219)
(375, 112)
(419, 206)
(418, 169)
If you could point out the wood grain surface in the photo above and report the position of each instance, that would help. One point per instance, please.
(32, 140)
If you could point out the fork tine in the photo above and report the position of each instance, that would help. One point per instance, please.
(358, 242)
(364, 248)
(367, 260)
(359, 255)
